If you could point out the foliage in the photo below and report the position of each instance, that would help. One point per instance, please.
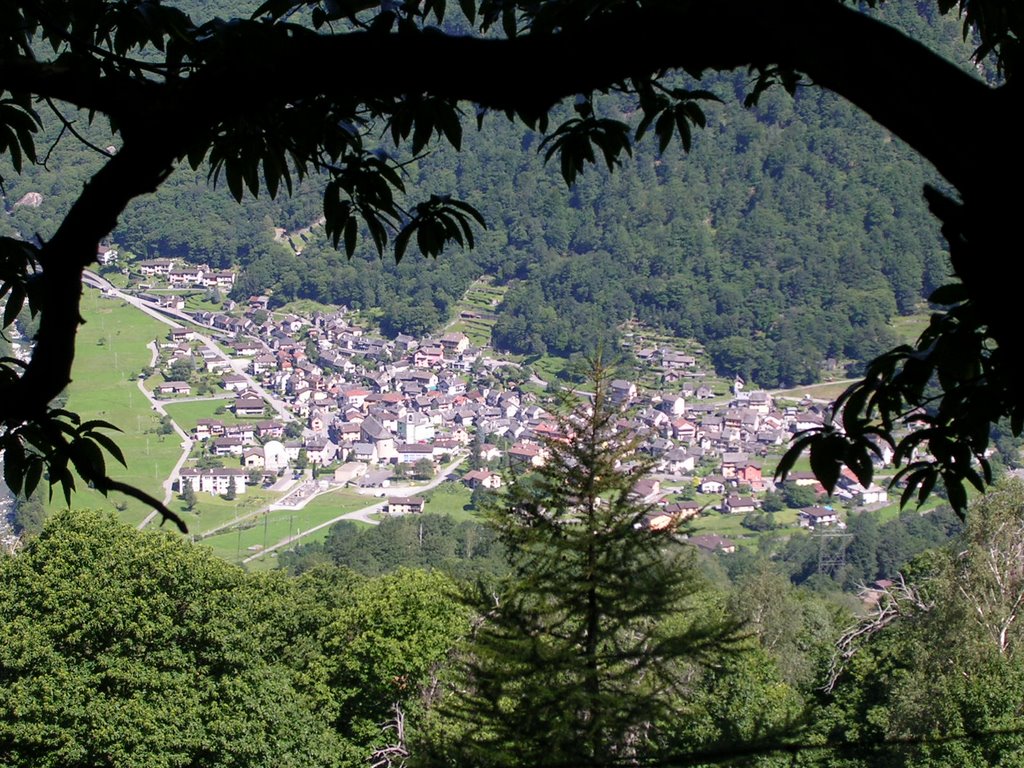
(583, 649)
(873, 550)
(188, 495)
(257, 104)
(386, 647)
(799, 496)
(937, 681)
(135, 649)
(465, 550)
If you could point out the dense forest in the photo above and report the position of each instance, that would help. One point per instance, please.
(132, 648)
(791, 233)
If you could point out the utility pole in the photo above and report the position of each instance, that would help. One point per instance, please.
(831, 561)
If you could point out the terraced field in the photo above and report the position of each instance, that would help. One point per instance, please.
(476, 311)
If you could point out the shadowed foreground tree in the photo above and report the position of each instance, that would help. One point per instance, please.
(935, 675)
(263, 100)
(585, 653)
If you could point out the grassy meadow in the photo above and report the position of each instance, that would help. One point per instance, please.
(237, 543)
(110, 352)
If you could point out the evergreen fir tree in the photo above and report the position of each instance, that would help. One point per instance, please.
(583, 651)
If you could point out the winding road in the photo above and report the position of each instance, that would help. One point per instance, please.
(363, 514)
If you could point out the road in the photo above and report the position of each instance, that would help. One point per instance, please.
(186, 441)
(171, 317)
(363, 514)
(176, 318)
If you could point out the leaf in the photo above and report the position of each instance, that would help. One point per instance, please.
(793, 453)
(663, 129)
(826, 461)
(508, 21)
(111, 447)
(953, 293)
(233, 174)
(448, 121)
(33, 474)
(14, 463)
(402, 240)
(15, 302)
(92, 424)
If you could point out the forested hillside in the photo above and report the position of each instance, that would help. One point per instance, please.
(791, 233)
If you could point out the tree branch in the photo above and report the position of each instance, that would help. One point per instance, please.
(947, 115)
(930, 103)
(132, 172)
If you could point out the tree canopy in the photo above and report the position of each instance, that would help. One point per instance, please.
(259, 103)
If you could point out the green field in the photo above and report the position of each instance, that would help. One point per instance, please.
(730, 526)
(110, 352)
(267, 529)
(450, 499)
(212, 511)
(826, 391)
(907, 328)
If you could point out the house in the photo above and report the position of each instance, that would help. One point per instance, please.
(406, 505)
(249, 406)
(683, 510)
(228, 446)
(622, 391)
(372, 431)
(365, 452)
(750, 472)
(234, 382)
(105, 254)
(174, 388)
(172, 301)
(455, 343)
(349, 472)
(354, 397)
(415, 428)
(428, 357)
(713, 543)
(151, 267)
(658, 520)
(802, 478)
(731, 462)
(812, 517)
(410, 453)
(483, 478)
(873, 494)
(214, 481)
(712, 484)
(253, 458)
(526, 453)
(489, 452)
(270, 429)
(245, 348)
(740, 504)
(647, 490)
(672, 359)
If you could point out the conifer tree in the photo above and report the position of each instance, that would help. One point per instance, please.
(583, 650)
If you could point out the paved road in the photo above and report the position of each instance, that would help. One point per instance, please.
(162, 314)
(172, 317)
(186, 442)
(363, 514)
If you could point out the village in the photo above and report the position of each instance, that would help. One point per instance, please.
(319, 396)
